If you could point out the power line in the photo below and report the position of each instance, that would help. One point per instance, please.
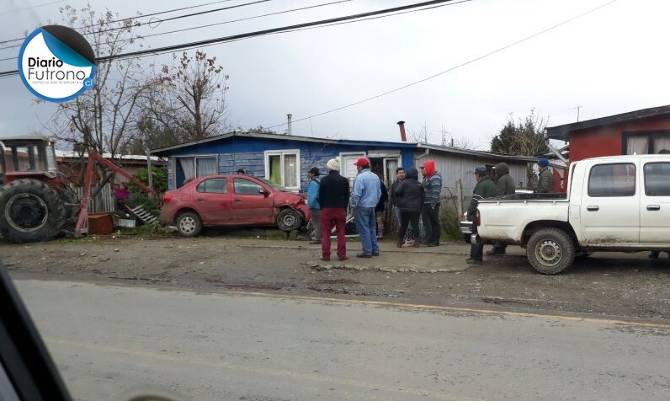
(151, 15)
(202, 43)
(29, 7)
(452, 68)
(221, 23)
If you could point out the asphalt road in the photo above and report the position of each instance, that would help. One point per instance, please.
(112, 341)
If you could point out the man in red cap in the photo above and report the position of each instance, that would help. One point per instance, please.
(364, 200)
(430, 212)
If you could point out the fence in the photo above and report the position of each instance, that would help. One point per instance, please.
(102, 203)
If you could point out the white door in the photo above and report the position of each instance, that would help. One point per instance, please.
(347, 167)
(655, 204)
(610, 209)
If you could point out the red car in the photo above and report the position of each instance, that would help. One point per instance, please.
(232, 200)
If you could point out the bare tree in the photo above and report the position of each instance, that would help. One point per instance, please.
(189, 96)
(102, 118)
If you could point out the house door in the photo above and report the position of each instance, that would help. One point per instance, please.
(347, 167)
(391, 164)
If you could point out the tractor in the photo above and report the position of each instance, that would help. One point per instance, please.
(37, 202)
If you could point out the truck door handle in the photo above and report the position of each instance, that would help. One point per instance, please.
(200, 199)
(237, 200)
(593, 208)
(653, 207)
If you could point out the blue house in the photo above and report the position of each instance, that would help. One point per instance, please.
(282, 159)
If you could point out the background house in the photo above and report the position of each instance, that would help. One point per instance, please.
(636, 132)
(282, 159)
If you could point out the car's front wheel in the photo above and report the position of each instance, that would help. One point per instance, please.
(188, 224)
(550, 251)
(289, 220)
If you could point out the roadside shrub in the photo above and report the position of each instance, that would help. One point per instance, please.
(450, 222)
(138, 198)
(159, 176)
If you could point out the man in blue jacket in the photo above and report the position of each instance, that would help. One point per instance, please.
(364, 199)
(313, 203)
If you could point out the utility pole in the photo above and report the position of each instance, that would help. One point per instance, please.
(578, 107)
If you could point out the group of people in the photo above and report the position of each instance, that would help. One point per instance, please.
(496, 181)
(329, 198)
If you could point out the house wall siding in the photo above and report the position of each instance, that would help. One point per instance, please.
(248, 153)
(608, 140)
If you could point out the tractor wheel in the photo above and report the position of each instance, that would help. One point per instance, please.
(30, 210)
(72, 207)
(289, 220)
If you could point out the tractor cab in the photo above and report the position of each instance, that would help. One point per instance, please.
(26, 156)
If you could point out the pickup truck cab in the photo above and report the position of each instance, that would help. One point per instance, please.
(617, 203)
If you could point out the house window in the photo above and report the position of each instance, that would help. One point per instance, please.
(282, 167)
(195, 166)
(647, 143)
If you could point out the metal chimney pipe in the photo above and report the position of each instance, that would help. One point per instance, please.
(289, 129)
(403, 135)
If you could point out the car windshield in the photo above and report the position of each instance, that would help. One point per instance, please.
(339, 200)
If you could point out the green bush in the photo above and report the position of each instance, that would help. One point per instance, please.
(139, 198)
(451, 225)
(159, 175)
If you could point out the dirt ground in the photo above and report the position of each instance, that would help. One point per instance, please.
(614, 284)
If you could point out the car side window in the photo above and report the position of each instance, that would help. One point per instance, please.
(246, 187)
(213, 185)
(657, 179)
(614, 179)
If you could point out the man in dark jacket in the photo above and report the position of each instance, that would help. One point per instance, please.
(430, 212)
(485, 188)
(409, 200)
(504, 186)
(399, 177)
(380, 209)
(504, 181)
(545, 183)
(333, 200)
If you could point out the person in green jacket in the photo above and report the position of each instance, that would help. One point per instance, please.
(504, 181)
(545, 183)
(485, 188)
(504, 186)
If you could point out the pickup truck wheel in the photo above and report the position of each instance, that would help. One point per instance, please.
(289, 220)
(188, 224)
(550, 251)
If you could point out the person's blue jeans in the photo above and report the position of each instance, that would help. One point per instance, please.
(365, 224)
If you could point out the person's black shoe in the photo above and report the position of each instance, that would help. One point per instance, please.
(431, 245)
(363, 255)
(472, 261)
(375, 253)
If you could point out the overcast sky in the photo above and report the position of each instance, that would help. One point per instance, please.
(613, 60)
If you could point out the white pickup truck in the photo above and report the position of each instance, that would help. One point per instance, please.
(617, 203)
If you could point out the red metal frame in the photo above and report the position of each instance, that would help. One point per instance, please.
(94, 157)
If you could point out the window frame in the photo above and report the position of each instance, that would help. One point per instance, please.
(644, 176)
(251, 181)
(282, 153)
(588, 182)
(203, 183)
(650, 135)
(195, 165)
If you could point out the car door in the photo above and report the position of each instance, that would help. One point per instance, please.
(252, 203)
(610, 208)
(213, 201)
(655, 204)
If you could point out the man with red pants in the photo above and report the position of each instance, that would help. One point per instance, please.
(333, 199)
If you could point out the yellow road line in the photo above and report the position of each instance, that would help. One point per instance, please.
(282, 373)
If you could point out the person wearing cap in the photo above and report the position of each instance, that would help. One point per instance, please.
(364, 200)
(313, 203)
(333, 201)
(545, 184)
(430, 212)
(485, 188)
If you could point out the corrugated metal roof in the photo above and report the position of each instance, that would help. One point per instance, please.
(477, 153)
(284, 137)
(561, 132)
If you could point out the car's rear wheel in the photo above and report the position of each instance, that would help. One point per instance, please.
(188, 224)
(550, 251)
(289, 220)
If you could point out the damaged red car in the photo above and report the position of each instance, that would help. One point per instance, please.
(232, 200)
